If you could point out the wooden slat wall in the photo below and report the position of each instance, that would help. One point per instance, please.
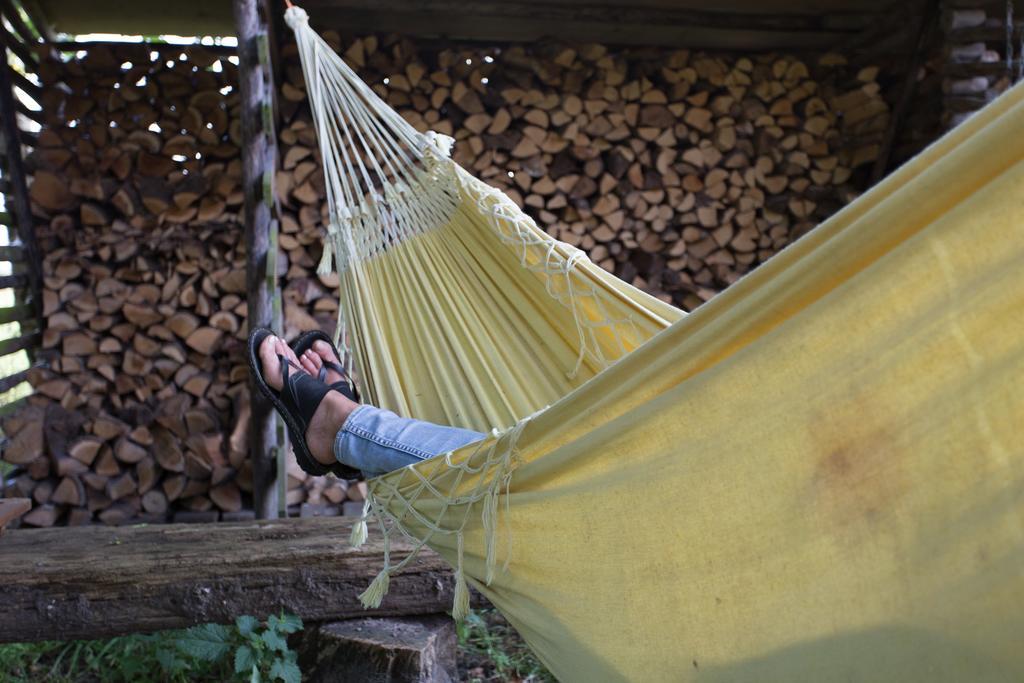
(20, 281)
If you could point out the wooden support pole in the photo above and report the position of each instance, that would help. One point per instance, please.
(259, 154)
(919, 43)
(96, 582)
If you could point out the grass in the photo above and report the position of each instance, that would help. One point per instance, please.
(490, 650)
(128, 658)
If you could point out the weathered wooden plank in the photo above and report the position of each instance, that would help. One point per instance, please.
(12, 407)
(93, 582)
(982, 34)
(11, 381)
(17, 313)
(32, 114)
(28, 87)
(19, 280)
(174, 48)
(13, 253)
(598, 22)
(19, 48)
(639, 22)
(25, 341)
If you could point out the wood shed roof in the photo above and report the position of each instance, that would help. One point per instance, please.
(746, 24)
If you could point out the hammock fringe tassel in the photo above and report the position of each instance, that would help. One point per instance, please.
(460, 607)
(492, 463)
(375, 592)
(325, 266)
(359, 530)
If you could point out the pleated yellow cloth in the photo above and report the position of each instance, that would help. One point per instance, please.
(818, 475)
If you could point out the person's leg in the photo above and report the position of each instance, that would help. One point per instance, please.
(377, 441)
(361, 436)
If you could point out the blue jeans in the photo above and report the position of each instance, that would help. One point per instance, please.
(376, 441)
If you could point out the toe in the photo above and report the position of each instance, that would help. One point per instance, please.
(271, 364)
(324, 352)
(289, 353)
(310, 362)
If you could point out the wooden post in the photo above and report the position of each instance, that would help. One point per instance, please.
(259, 154)
(918, 44)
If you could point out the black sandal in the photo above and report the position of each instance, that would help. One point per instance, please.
(347, 385)
(297, 402)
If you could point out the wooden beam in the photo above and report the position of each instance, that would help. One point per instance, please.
(13, 252)
(744, 24)
(25, 341)
(259, 157)
(664, 24)
(27, 86)
(175, 48)
(19, 280)
(11, 381)
(95, 582)
(19, 48)
(17, 313)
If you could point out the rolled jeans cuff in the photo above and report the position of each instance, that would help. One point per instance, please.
(377, 441)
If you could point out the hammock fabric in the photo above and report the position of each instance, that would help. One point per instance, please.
(818, 475)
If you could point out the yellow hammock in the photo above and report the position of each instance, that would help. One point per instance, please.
(818, 475)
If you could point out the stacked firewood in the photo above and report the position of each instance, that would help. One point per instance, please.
(677, 171)
(141, 409)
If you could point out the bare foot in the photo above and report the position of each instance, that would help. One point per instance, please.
(333, 410)
(313, 359)
(270, 350)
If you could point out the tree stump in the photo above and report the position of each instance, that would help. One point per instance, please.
(376, 650)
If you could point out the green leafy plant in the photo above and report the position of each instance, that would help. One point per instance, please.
(258, 652)
(248, 650)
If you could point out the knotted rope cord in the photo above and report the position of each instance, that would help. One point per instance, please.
(351, 118)
(385, 183)
(518, 231)
(492, 477)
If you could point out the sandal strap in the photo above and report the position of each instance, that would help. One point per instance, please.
(301, 394)
(331, 365)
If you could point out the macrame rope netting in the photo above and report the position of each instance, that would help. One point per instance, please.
(389, 184)
(487, 469)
